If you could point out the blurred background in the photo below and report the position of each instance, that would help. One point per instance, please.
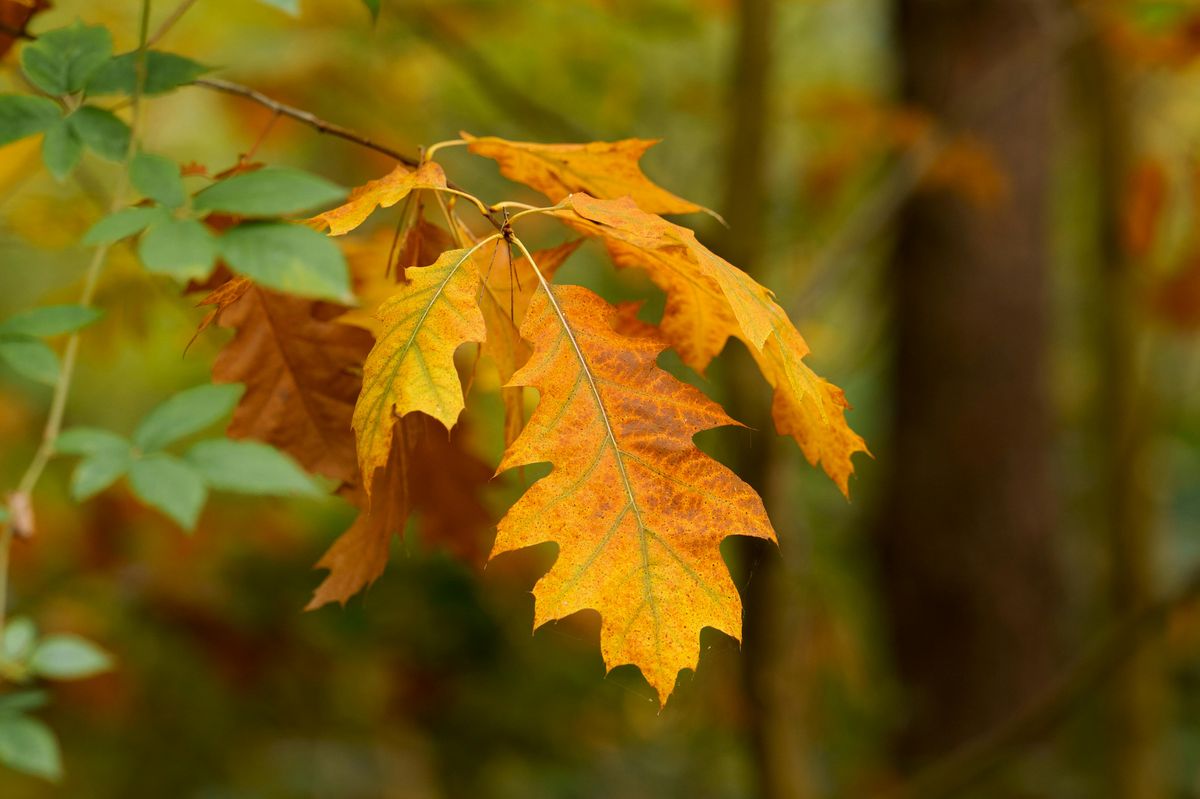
(981, 214)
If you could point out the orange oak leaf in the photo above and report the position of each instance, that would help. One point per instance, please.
(637, 510)
(709, 300)
(601, 169)
(382, 193)
(429, 474)
(508, 286)
(301, 372)
(411, 367)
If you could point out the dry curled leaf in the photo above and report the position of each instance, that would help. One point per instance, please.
(301, 371)
(428, 473)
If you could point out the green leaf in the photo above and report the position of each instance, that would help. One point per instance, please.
(29, 746)
(291, 258)
(184, 414)
(62, 61)
(290, 6)
(273, 191)
(157, 178)
(61, 149)
(22, 115)
(68, 657)
(182, 248)
(20, 634)
(102, 131)
(30, 358)
(249, 467)
(50, 320)
(171, 485)
(95, 473)
(122, 224)
(373, 7)
(21, 701)
(4, 514)
(164, 72)
(88, 441)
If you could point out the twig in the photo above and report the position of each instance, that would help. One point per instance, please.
(979, 758)
(170, 21)
(300, 115)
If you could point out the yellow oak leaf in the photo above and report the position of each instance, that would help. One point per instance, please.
(709, 300)
(411, 367)
(601, 169)
(382, 193)
(637, 510)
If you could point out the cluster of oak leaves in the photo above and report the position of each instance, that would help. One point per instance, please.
(636, 509)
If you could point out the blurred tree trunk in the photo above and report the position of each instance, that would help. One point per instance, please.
(970, 584)
(779, 772)
(1123, 412)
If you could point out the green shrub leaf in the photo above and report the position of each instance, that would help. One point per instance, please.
(170, 485)
(273, 191)
(122, 224)
(68, 657)
(291, 258)
(182, 248)
(185, 413)
(249, 467)
(164, 72)
(157, 178)
(63, 61)
(102, 131)
(27, 745)
(50, 320)
(22, 115)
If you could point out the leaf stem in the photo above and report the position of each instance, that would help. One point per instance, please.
(433, 148)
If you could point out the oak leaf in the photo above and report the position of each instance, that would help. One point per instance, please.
(637, 510)
(381, 193)
(601, 169)
(428, 473)
(300, 368)
(709, 300)
(411, 367)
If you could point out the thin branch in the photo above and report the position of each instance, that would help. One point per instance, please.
(307, 117)
(169, 21)
(992, 750)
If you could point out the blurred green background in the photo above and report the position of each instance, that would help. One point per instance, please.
(981, 216)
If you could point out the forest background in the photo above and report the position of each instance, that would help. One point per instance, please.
(982, 216)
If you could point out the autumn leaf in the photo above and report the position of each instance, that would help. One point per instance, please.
(602, 169)
(509, 286)
(428, 473)
(411, 367)
(300, 368)
(637, 511)
(709, 300)
(382, 193)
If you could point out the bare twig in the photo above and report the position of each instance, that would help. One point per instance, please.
(169, 21)
(300, 115)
